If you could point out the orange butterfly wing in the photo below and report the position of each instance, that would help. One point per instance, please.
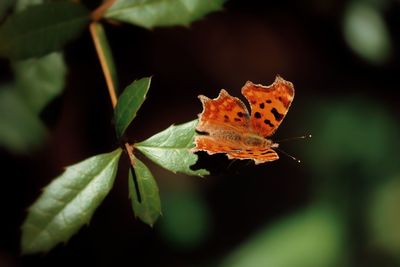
(225, 111)
(258, 155)
(222, 120)
(269, 104)
(234, 151)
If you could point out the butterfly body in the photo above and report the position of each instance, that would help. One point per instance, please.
(242, 140)
(229, 128)
(253, 140)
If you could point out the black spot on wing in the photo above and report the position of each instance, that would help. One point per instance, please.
(267, 152)
(276, 114)
(268, 122)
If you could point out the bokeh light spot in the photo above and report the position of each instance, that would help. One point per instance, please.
(366, 33)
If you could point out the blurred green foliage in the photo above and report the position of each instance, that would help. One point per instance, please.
(186, 220)
(384, 217)
(312, 238)
(41, 29)
(351, 136)
(37, 82)
(40, 80)
(5, 6)
(353, 165)
(354, 155)
(20, 129)
(366, 33)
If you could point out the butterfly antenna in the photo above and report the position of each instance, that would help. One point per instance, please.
(294, 138)
(287, 154)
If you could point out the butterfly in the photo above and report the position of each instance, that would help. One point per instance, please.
(226, 126)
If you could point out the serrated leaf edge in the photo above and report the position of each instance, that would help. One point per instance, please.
(32, 207)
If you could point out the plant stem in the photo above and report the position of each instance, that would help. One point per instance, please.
(129, 150)
(98, 13)
(103, 63)
(109, 79)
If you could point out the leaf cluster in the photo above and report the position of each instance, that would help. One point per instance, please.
(32, 38)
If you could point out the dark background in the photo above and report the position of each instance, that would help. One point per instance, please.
(349, 103)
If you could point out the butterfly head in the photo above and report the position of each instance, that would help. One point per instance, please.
(274, 145)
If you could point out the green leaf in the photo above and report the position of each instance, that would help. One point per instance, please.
(41, 29)
(107, 52)
(171, 149)
(129, 103)
(312, 238)
(68, 202)
(20, 128)
(144, 194)
(40, 80)
(155, 13)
